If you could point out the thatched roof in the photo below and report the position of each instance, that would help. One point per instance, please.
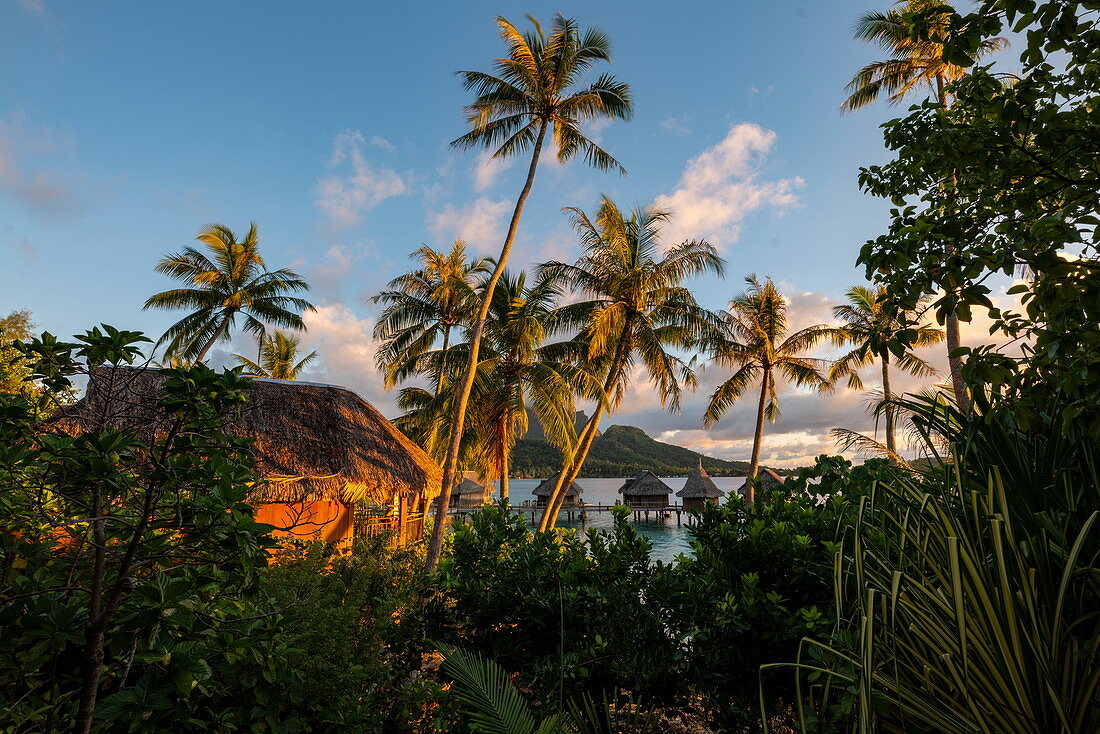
(468, 484)
(311, 441)
(646, 483)
(546, 486)
(767, 478)
(699, 484)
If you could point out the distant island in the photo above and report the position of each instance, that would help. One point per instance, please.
(620, 451)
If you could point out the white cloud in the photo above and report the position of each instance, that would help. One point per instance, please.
(481, 223)
(488, 169)
(345, 347)
(34, 6)
(722, 185)
(353, 185)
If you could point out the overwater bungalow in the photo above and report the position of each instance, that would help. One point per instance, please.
(546, 486)
(645, 490)
(322, 452)
(469, 492)
(699, 489)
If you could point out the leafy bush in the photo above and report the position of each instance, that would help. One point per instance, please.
(759, 581)
(130, 558)
(354, 641)
(569, 613)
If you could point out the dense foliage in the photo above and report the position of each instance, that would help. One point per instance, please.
(129, 559)
(1004, 181)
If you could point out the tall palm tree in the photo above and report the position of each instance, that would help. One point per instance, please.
(227, 281)
(637, 308)
(278, 358)
(880, 334)
(536, 88)
(518, 370)
(914, 61)
(422, 308)
(754, 342)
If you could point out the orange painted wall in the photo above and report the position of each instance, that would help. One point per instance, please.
(321, 520)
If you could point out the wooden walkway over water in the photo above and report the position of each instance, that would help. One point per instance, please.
(580, 512)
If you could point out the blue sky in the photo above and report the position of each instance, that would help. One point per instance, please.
(127, 126)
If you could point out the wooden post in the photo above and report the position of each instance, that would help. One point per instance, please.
(402, 517)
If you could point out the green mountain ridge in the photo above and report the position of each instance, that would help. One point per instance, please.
(620, 451)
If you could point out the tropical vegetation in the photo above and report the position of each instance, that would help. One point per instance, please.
(536, 89)
(229, 280)
(755, 341)
(279, 358)
(950, 586)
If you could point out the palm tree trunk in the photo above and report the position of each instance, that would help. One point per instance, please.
(201, 356)
(758, 440)
(504, 437)
(951, 325)
(954, 341)
(570, 472)
(886, 397)
(459, 419)
(443, 357)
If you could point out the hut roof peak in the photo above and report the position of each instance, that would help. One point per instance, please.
(699, 484)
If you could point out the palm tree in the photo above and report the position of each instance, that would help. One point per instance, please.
(534, 90)
(880, 334)
(231, 281)
(637, 308)
(755, 344)
(422, 308)
(521, 371)
(278, 358)
(516, 371)
(914, 60)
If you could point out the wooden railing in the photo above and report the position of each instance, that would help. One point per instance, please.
(368, 525)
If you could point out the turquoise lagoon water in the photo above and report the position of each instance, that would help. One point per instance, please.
(668, 539)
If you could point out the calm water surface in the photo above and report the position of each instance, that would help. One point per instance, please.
(668, 540)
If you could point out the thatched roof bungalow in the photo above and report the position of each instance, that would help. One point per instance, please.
(546, 486)
(319, 449)
(645, 490)
(699, 489)
(469, 492)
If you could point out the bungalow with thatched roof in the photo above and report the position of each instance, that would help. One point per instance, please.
(469, 492)
(766, 478)
(699, 489)
(645, 490)
(546, 486)
(320, 450)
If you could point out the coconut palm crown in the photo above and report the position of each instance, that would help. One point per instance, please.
(879, 334)
(537, 87)
(912, 62)
(278, 358)
(754, 342)
(423, 308)
(229, 280)
(637, 311)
